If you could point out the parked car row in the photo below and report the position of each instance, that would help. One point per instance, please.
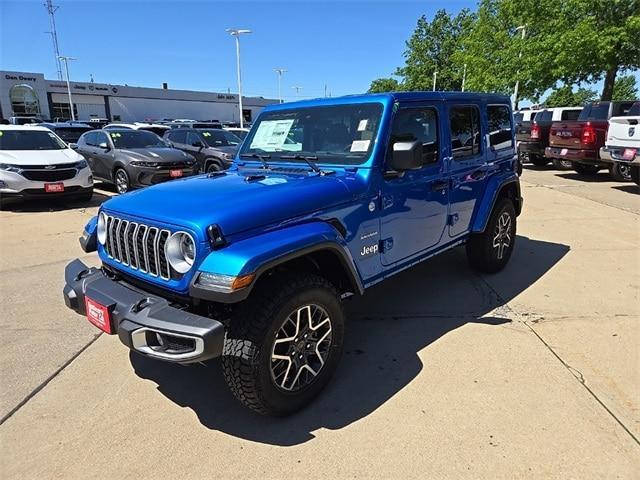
(599, 135)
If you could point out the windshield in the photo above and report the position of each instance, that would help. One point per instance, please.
(26, 140)
(341, 134)
(135, 139)
(220, 138)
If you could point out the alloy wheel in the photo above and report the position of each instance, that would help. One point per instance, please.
(502, 234)
(301, 348)
(625, 171)
(122, 181)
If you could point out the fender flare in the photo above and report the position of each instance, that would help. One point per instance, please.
(494, 187)
(259, 254)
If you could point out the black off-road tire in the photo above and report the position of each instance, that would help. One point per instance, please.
(562, 164)
(211, 166)
(635, 174)
(620, 172)
(539, 160)
(246, 360)
(481, 250)
(583, 169)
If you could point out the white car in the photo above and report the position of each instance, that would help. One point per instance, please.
(156, 128)
(36, 163)
(622, 146)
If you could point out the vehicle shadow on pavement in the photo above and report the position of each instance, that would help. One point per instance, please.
(631, 188)
(601, 177)
(386, 330)
(53, 205)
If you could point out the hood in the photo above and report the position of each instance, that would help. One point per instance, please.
(39, 157)
(234, 201)
(155, 154)
(225, 149)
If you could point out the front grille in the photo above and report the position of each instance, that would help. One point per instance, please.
(138, 246)
(42, 175)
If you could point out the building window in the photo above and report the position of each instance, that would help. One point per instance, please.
(61, 111)
(24, 100)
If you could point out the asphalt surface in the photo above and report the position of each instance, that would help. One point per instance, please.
(530, 373)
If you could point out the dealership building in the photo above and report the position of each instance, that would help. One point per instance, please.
(30, 94)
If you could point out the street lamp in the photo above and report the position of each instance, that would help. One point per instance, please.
(297, 88)
(66, 69)
(235, 32)
(523, 29)
(279, 71)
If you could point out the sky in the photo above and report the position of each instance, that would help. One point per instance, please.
(342, 44)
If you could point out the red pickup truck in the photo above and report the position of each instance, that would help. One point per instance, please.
(579, 141)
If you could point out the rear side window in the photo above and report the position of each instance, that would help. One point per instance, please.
(570, 114)
(465, 131)
(418, 124)
(178, 136)
(595, 111)
(500, 131)
(622, 109)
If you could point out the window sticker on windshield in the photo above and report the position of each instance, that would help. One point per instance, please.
(115, 135)
(360, 145)
(362, 126)
(271, 134)
(206, 134)
(1, 133)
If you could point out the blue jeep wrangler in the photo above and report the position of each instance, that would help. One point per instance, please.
(325, 199)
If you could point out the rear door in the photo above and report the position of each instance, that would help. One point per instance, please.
(468, 166)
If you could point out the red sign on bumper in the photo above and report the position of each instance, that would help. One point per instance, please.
(175, 173)
(54, 187)
(98, 315)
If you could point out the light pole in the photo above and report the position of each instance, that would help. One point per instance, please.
(523, 29)
(279, 71)
(66, 69)
(297, 88)
(235, 32)
(435, 76)
(464, 76)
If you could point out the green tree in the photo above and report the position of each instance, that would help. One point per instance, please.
(383, 85)
(566, 97)
(625, 88)
(431, 48)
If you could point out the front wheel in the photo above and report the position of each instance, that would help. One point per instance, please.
(284, 345)
(490, 251)
(123, 185)
(213, 167)
(620, 172)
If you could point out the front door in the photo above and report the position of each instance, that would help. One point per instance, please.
(103, 157)
(414, 204)
(468, 167)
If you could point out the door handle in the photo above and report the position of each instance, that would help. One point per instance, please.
(440, 185)
(477, 175)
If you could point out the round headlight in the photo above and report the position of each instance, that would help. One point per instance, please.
(102, 228)
(180, 250)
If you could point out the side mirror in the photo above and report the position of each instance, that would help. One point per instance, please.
(105, 146)
(197, 144)
(73, 146)
(406, 156)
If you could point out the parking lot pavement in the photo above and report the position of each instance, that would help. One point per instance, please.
(533, 372)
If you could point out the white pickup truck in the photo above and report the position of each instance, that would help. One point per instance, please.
(622, 146)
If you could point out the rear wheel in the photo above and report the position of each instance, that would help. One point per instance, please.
(121, 179)
(562, 164)
(582, 169)
(620, 172)
(284, 345)
(490, 251)
(539, 160)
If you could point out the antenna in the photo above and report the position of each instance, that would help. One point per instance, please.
(51, 10)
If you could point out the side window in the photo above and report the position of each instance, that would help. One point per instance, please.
(101, 137)
(421, 125)
(90, 139)
(500, 131)
(465, 131)
(178, 136)
(192, 137)
(570, 115)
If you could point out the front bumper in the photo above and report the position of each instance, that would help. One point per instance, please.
(146, 323)
(144, 176)
(14, 185)
(585, 156)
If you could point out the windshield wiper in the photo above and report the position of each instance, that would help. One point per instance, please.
(307, 158)
(262, 158)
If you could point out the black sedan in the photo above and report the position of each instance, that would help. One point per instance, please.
(133, 158)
